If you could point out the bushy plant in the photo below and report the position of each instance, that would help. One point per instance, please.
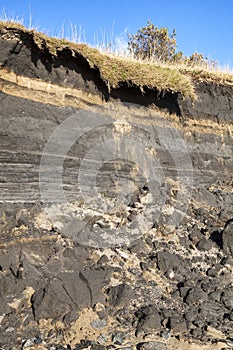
(196, 59)
(153, 42)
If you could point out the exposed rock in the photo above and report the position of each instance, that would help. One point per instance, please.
(149, 320)
(178, 324)
(57, 298)
(166, 261)
(121, 295)
(227, 237)
(195, 296)
(227, 297)
(205, 244)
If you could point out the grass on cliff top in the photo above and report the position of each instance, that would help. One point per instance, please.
(115, 69)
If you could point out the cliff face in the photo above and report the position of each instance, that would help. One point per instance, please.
(116, 207)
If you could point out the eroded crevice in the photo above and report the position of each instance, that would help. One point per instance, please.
(145, 96)
(69, 296)
(83, 278)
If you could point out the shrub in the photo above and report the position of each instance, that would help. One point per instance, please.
(153, 42)
(196, 59)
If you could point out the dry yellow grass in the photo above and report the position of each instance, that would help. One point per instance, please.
(218, 75)
(10, 24)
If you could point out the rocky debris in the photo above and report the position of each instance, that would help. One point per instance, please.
(178, 286)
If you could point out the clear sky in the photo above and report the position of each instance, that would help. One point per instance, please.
(205, 26)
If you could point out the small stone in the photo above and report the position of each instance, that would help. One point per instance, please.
(228, 260)
(117, 338)
(10, 329)
(167, 261)
(38, 339)
(121, 295)
(227, 298)
(195, 236)
(149, 320)
(178, 325)
(23, 217)
(98, 347)
(166, 334)
(99, 324)
(197, 332)
(170, 274)
(103, 338)
(103, 260)
(212, 272)
(86, 343)
(195, 296)
(205, 244)
(100, 310)
(28, 343)
(151, 345)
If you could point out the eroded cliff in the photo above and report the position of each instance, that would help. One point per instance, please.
(116, 205)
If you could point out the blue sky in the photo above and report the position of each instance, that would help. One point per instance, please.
(205, 26)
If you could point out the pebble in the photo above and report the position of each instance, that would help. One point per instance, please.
(99, 324)
(166, 334)
(10, 329)
(103, 338)
(28, 343)
(151, 345)
(117, 338)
